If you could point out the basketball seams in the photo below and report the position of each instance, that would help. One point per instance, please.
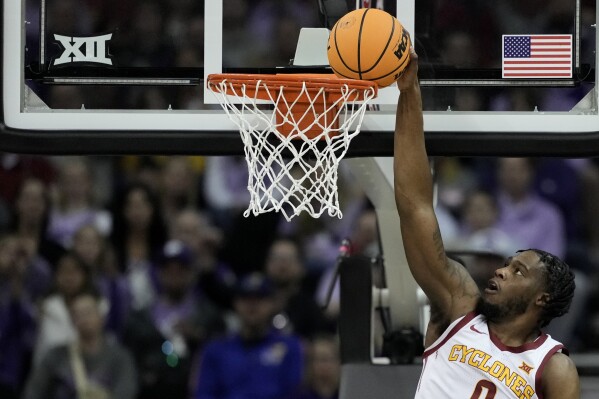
(405, 59)
(360, 42)
(342, 75)
(384, 52)
(339, 54)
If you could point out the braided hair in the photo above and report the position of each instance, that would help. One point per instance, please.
(559, 283)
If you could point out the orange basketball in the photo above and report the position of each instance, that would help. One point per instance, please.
(369, 44)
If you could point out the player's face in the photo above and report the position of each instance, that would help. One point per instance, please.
(514, 288)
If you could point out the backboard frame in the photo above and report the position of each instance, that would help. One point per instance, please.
(450, 133)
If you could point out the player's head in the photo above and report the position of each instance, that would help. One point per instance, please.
(531, 281)
(559, 284)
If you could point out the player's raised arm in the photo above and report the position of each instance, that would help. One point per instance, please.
(447, 284)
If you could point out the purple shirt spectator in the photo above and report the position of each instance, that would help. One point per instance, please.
(116, 291)
(164, 336)
(38, 278)
(17, 331)
(533, 223)
(267, 368)
(63, 226)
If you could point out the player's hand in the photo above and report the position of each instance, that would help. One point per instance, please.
(409, 77)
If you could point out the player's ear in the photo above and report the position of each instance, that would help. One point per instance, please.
(542, 299)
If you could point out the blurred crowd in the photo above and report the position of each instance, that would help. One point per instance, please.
(139, 277)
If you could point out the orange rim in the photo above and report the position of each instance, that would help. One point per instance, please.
(292, 83)
(328, 88)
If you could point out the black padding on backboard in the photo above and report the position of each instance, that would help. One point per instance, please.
(355, 314)
(364, 381)
(119, 142)
(366, 144)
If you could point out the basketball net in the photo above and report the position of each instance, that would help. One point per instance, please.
(293, 152)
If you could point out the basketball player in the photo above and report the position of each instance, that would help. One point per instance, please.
(479, 345)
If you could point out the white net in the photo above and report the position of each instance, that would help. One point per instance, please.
(293, 150)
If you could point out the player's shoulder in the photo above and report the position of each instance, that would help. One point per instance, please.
(560, 364)
(560, 377)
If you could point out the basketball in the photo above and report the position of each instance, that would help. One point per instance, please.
(369, 44)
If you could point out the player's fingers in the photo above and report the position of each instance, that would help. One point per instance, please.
(413, 66)
(409, 75)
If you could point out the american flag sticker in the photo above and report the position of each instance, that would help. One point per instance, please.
(537, 56)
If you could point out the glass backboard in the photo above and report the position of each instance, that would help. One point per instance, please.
(129, 76)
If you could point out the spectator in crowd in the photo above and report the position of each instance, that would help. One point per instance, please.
(296, 308)
(225, 188)
(365, 235)
(479, 233)
(258, 361)
(523, 214)
(38, 272)
(227, 197)
(74, 205)
(196, 230)
(573, 186)
(142, 169)
(96, 253)
(93, 366)
(215, 278)
(364, 241)
(323, 370)
(480, 218)
(17, 321)
(455, 179)
(179, 186)
(139, 230)
(14, 169)
(479, 212)
(448, 224)
(164, 336)
(55, 326)
(30, 216)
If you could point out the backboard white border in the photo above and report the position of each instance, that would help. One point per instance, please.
(56, 120)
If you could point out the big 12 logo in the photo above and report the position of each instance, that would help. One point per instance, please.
(83, 49)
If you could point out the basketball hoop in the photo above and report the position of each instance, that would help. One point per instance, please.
(295, 130)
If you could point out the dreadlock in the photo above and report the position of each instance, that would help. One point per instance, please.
(559, 281)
